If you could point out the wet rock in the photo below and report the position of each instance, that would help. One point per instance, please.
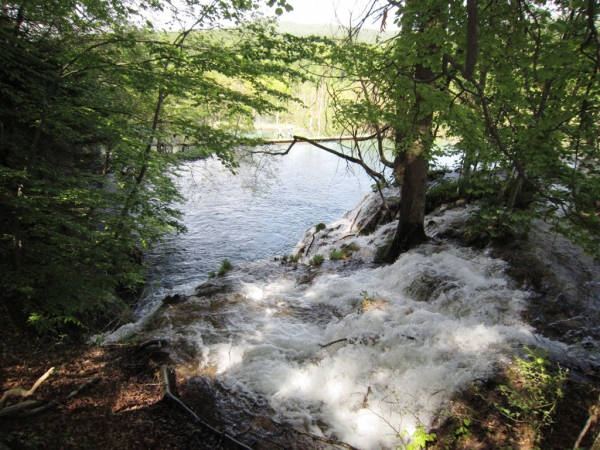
(308, 277)
(174, 299)
(428, 286)
(563, 280)
(212, 287)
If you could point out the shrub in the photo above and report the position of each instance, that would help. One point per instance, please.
(532, 392)
(320, 226)
(494, 222)
(444, 192)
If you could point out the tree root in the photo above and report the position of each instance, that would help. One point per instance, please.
(167, 394)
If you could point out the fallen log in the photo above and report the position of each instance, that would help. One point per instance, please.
(167, 394)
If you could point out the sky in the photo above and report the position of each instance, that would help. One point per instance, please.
(334, 12)
(327, 11)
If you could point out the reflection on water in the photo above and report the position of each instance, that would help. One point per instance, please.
(257, 214)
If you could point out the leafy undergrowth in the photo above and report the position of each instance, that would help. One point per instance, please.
(476, 423)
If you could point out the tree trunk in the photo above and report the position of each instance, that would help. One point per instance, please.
(414, 166)
(516, 187)
(411, 229)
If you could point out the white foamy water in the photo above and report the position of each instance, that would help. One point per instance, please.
(414, 333)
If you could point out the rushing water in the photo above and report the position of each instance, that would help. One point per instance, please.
(404, 337)
(260, 213)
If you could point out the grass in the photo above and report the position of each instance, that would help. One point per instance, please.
(316, 260)
(290, 258)
(345, 252)
(337, 255)
(225, 267)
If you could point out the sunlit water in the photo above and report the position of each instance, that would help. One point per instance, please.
(412, 334)
(260, 213)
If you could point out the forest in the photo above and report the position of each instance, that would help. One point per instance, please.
(95, 95)
(91, 95)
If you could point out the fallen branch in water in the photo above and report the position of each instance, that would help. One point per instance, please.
(334, 342)
(166, 387)
(20, 392)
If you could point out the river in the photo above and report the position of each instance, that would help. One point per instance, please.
(404, 337)
(260, 213)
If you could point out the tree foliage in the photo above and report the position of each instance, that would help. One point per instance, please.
(89, 106)
(514, 84)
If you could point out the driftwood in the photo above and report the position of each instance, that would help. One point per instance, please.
(20, 392)
(167, 394)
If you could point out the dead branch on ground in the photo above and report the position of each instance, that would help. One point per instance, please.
(20, 392)
(33, 407)
(167, 394)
